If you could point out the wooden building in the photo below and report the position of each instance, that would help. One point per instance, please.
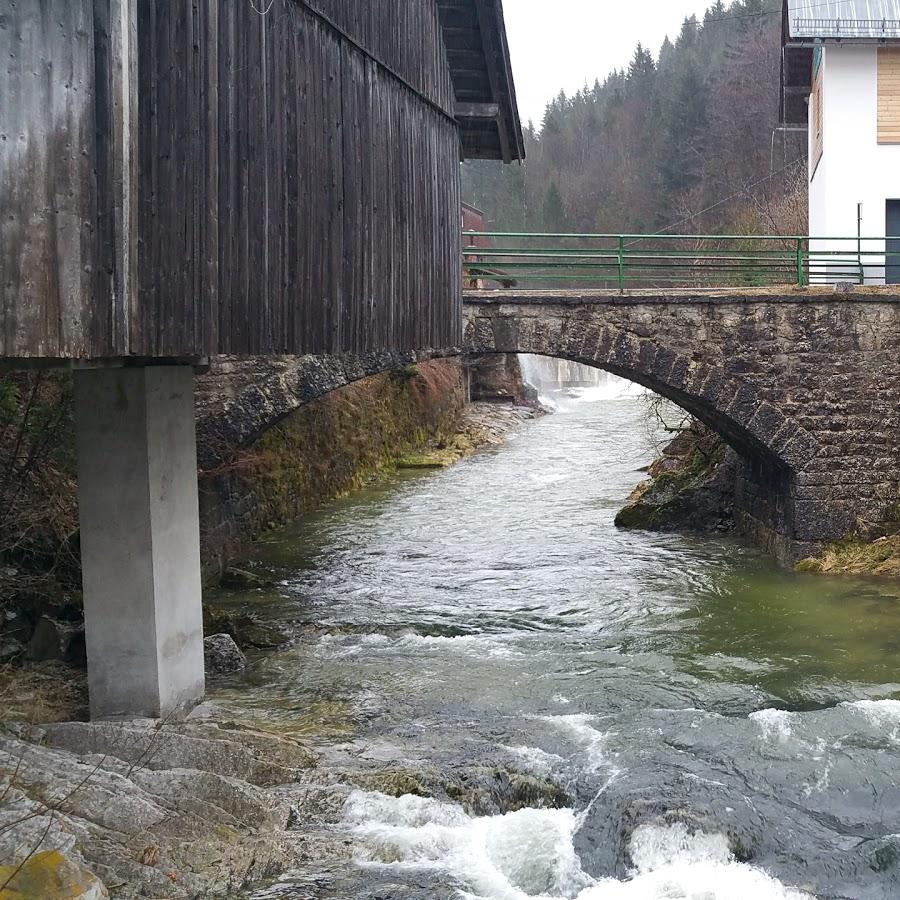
(181, 178)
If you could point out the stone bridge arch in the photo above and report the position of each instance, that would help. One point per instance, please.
(733, 407)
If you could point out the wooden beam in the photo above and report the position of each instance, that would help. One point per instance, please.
(124, 163)
(490, 55)
(476, 110)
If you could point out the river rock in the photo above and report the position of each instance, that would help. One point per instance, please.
(245, 628)
(240, 579)
(222, 655)
(691, 487)
(160, 810)
(59, 641)
(10, 649)
(50, 875)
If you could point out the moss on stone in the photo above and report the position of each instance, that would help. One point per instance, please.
(684, 489)
(328, 449)
(394, 783)
(49, 875)
(429, 459)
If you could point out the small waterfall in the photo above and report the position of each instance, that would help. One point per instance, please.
(555, 379)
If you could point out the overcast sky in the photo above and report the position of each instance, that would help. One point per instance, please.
(561, 44)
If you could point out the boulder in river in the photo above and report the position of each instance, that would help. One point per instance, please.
(690, 487)
(222, 655)
(244, 627)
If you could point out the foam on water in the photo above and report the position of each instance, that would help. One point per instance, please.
(776, 724)
(475, 644)
(520, 855)
(591, 740)
(882, 715)
(530, 854)
(536, 760)
(879, 712)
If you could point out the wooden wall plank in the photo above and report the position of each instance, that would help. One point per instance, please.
(297, 181)
(889, 95)
(49, 299)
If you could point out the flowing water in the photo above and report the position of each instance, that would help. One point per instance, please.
(721, 729)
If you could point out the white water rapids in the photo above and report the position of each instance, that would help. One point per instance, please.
(714, 727)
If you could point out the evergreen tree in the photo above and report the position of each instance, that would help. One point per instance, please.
(553, 212)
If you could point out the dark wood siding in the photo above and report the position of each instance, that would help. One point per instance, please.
(296, 187)
(52, 295)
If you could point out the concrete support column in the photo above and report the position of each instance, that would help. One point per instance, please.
(140, 539)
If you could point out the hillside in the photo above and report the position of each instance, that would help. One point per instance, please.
(678, 142)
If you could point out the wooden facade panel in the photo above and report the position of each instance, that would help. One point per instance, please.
(295, 183)
(403, 35)
(55, 299)
(889, 95)
(335, 184)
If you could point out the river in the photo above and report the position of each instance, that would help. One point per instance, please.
(720, 729)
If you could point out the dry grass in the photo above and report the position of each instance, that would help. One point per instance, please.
(40, 693)
(857, 557)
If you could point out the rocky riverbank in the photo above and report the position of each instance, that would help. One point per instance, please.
(208, 806)
(690, 487)
(205, 807)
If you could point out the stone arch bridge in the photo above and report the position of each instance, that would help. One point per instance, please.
(804, 384)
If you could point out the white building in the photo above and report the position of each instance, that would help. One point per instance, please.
(841, 76)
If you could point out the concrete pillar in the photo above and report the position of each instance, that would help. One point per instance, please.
(140, 539)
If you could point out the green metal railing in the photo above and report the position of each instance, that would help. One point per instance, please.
(557, 261)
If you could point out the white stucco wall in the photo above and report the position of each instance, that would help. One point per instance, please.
(854, 167)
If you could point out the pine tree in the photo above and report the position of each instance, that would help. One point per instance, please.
(553, 212)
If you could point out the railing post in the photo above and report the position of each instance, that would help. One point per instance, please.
(621, 263)
(801, 279)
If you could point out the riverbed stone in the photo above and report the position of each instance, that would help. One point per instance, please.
(245, 628)
(222, 655)
(158, 809)
(50, 875)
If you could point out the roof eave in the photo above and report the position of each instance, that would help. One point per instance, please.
(480, 66)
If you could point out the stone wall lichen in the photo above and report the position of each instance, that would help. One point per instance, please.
(326, 449)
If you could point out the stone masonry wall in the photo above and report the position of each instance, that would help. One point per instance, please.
(320, 451)
(803, 383)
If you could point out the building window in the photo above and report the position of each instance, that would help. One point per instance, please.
(892, 248)
(817, 119)
(889, 95)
